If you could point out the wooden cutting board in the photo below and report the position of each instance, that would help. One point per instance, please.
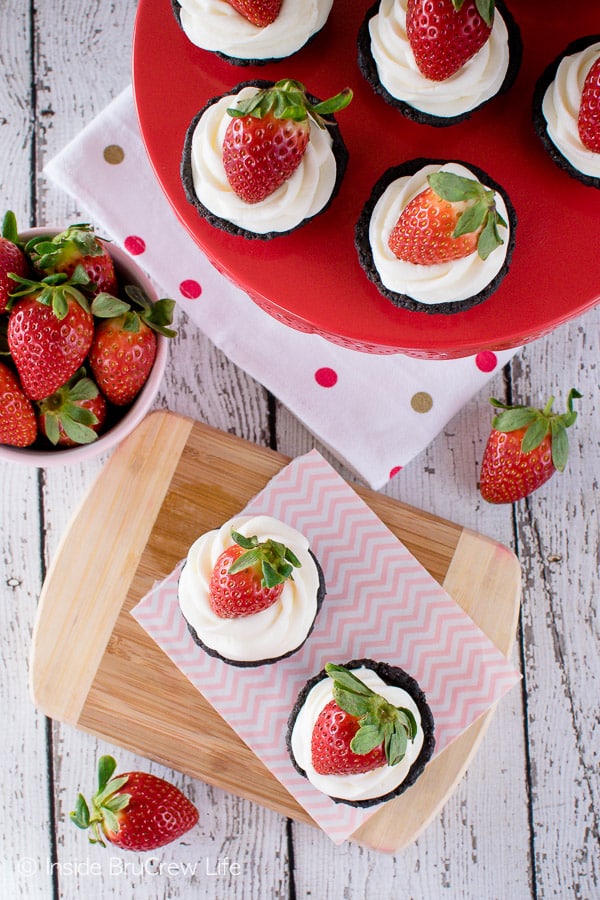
(93, 666)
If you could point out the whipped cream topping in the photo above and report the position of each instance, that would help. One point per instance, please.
(441, 283)
(364, 785)
(215, 25)
(270, 633)
(476, 82)
(302, 196)
(560, 108)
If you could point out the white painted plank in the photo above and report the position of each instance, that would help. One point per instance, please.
(559, 538)
(481, 844)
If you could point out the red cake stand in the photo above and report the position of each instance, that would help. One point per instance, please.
(311, 279)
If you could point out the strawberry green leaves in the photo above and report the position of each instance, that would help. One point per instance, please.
(106, 803)
(158, 315)
(538, 424)
(54, 291)
(380, 722)
(267, 136)
(275, 560)
(525, 447)
(150, 813)
(485, 8)
(480, 214)
(287, 99)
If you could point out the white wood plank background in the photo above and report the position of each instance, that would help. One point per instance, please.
(523, 822)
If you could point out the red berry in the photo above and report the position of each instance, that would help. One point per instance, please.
(525, 447)
(588, 121)
(268, 135)
(330, 744)
(241, 594)
(423, 234)
(259, 155)
(259, 12)
(450, 219)
(76, 246)
(249, 576)
(18, 424)
(135, 811)
(74, 414)
(12, 259)
(121, 359)
(358, 730)
(47, 348)
(445, 34)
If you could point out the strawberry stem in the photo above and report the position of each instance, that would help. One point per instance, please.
(275, 560)
(538, 423)
(287, 99)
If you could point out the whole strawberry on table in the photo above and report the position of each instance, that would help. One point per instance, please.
(76, 346)
(134, 811)
(525, 448)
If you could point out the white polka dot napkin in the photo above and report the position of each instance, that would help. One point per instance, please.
(374, 412)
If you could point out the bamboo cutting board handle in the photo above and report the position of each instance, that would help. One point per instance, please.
(82, 595)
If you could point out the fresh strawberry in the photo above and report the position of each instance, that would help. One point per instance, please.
(268, 135)
(588, 121)
(249, 576)
(123, 349)
(12, 258)
(525, 447)
(18, 424)
(50, 330)
(450, 219)
(76, 246)
(259, 12)
(358, 730)
(134, 811)
(445, 34)
(74, 414)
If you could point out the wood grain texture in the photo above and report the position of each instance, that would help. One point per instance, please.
(522, 822)
(170, 481)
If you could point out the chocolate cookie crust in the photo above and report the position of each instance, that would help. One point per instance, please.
(368, 68)
(365, 254)
(539, 120)
(339, 150)
(321, 591)
(392, 675)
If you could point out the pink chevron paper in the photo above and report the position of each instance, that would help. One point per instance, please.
(381, 603)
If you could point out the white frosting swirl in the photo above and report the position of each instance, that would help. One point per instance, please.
(216, 26)
(303, 195)
(364, 785)
(476, 82)
(268, 634)
(441, 283)
(560, 107)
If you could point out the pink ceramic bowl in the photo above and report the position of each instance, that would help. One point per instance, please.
(129, 273)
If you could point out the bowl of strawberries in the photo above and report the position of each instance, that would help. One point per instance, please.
(83, 344)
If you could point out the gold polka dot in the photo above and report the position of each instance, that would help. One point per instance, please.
(421, 402)
(114, 154)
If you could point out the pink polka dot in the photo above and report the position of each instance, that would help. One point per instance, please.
(190, 288)
(134, 244)
(326, 377)
(486, 361)
(395, 471)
